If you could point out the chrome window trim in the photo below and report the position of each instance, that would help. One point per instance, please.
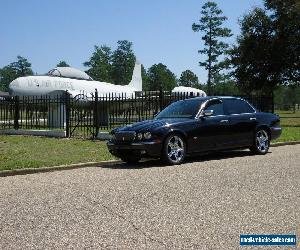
(198, 115)
(215, 116)
(243, 114)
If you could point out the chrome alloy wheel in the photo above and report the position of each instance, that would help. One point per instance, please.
(175, 149)
(262, 141)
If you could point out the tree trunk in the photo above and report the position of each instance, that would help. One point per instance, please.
(209, 90)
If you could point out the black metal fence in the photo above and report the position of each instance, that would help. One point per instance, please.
(85, 117)
(32, 112)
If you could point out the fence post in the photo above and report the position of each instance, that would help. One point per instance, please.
(273, 110)
(67, 103)
(160, 99)
(17, 112)
(96, 114)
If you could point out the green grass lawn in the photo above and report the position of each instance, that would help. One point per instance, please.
(34, 152)
(287, 113)
(289, 119)
(289, 134)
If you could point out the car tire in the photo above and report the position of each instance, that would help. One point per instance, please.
(174, 149)
(131, 159)
(261, 142)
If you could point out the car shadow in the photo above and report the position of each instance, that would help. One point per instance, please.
(155, 163)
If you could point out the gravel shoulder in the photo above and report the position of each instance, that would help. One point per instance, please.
(203, 204)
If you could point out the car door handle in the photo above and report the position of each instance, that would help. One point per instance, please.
(224, 121)
(252, 119)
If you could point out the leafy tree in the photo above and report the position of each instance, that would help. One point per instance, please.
(225, 85)
(211, 25)
(62, 64)
(189, 79)
(253, 57)
(145, 79)
(123, 60)
(22, 67)
(268, 50)
(14, 70)
(286, 97)
(160, 77)
(100, 67)
(7, 75)
(285, 17)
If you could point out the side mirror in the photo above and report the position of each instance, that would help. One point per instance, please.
(208, 112)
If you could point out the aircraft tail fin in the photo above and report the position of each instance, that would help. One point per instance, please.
(136, 80)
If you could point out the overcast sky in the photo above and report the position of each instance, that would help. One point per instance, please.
(46, 32)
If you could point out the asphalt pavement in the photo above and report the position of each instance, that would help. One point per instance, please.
(205, 203)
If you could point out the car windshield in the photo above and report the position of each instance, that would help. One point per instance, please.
(181, 109)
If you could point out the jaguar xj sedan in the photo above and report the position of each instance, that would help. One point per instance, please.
(194, 126)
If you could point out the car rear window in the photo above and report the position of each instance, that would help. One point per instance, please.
(237, 106)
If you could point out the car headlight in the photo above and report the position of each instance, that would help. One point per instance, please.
(147, 135)
(139, 136)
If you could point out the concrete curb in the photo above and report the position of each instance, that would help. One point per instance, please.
(278, 144)
(48, 133)
(24, 171)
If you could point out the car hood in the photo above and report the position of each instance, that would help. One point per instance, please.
(151, 124)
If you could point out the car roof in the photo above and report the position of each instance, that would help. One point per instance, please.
(212, 97)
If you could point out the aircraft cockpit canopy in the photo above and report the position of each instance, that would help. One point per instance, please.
(69, 72)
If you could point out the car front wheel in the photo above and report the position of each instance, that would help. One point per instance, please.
(261, 142)
(174, 149)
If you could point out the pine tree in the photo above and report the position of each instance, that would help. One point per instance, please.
(211, 25)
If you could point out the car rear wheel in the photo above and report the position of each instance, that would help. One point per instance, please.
(261, 142)
(174, 149)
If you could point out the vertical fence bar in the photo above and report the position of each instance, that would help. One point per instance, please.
(96, 115)
(16, 114)
(272, 102)
(67, 104)
(160, 99)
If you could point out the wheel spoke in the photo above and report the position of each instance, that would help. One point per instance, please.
(176, 140)
(175, 149)
(262, 141)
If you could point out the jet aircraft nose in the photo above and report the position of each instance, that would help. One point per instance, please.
(13, 86)
(14, 83)
(10, 91)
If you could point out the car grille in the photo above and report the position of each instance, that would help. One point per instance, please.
(127, 136)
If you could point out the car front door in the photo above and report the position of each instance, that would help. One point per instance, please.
(210, 132)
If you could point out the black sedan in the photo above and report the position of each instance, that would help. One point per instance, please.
(194, 126)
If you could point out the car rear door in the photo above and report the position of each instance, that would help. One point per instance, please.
(242, 121)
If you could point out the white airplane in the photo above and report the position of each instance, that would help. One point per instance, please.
(189, 91)
(79, 84)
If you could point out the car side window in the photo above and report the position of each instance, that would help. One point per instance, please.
(237, 106)
(217, 108)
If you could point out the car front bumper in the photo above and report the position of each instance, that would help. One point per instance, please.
(143, 149)
(275, 132)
